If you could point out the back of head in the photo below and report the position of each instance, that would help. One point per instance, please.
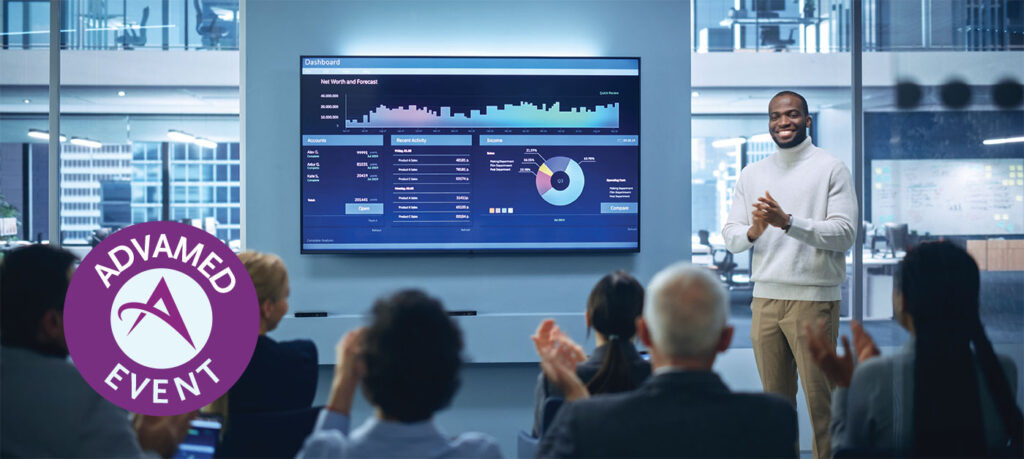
(685, 309)
(940, 284)
(412, 351)
(268, 274)
(33, 280)
(613, 306)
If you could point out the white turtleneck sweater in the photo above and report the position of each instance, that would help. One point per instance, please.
(807, 262)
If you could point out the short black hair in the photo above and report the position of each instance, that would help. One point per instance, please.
(803, 102)
(412, 351)
(33, 280)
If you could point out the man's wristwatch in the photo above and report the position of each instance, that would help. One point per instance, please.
(788, 225)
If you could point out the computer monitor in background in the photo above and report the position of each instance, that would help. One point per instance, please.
(896, 237)
(8, 226)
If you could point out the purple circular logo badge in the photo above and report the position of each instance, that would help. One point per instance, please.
(161, 318)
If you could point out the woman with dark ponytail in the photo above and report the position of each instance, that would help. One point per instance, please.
(947, 394)
(615, 365)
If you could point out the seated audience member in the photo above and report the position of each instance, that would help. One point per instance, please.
(408, 361)
(947, 394)
(615, 366)
(46, 408)
(281, 375)
(684, 409)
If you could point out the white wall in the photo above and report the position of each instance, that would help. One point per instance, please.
(511, 293)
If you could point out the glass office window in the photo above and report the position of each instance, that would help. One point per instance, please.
(24, 186)
(112, 164)
(121, 180)
(26, 24)
(125, 25)
(900, 40)
(938, 159)
(127, 143)
(204, 194)
(805, 26)
(937, 163)
(24, 151)
(822, 26)
(95, 189)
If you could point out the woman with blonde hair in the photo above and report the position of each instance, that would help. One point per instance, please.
(281, 375)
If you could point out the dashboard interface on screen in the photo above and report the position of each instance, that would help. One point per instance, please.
(470, 154)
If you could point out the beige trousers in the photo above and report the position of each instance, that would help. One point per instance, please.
(780, 351)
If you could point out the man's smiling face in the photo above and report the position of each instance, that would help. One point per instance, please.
(787, 120)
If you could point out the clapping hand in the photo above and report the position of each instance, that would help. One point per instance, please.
(863, 344)
(348, 371)
(768, 211)
(559, 356)
(162, 434)
(839, 369)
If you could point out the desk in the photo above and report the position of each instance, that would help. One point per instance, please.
(737, 23)
(729, 22)
(700, 255)
(878, 272)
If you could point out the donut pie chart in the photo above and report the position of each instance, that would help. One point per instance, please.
(560, 181)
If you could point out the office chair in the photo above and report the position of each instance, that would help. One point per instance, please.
(721, 258)
(770, 37)
(704, 237)
(526, 443)
(98, 235)
(130, 38)
(873, 236)
(209, 26)
(896, 237)
(551, 406)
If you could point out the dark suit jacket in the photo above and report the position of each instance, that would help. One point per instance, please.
(676, 414)
(281, 376)
(586, 371)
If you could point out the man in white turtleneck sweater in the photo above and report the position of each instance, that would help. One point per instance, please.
(798, 210)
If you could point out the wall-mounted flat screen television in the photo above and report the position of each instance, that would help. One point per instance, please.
(473, 154)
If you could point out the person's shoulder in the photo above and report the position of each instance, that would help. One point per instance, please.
(299, 345)
(881, 367)
(756, 172)
(774, 415)
(642, 368)
(33, 368)
(1009, 368)
(875, 377)
(587, 370)
(324, 443)
(827, 159)
(302, 348)
(597, 405)
(476, 444)
(1007, 363)
(771, 404)
(757, 166)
